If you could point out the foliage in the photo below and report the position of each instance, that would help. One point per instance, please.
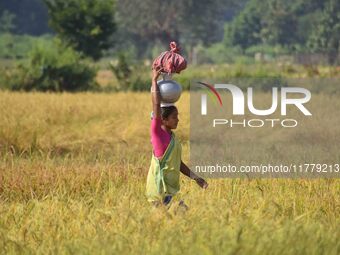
(217, 53)
(277, 23)
(269, 22)
(52, 68)
(305, 27)
(191, 22)
(326, 37)
(273, 50)
(18, 46)
(245, 28)
(289, 24)
(298, 26)
(130, 75)
(245, 68)
(85, 25)
(122, 71)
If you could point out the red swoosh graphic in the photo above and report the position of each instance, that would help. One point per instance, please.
(213, 90)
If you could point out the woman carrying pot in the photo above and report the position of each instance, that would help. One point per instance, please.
(166, 164)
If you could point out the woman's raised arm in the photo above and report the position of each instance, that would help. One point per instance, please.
(155, 94)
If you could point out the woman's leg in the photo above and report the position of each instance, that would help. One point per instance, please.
(167, 200)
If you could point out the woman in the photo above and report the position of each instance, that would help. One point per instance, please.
(166, 163)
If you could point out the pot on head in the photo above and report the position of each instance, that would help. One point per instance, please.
(170, 90)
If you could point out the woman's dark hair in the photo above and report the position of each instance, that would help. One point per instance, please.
(167, 110)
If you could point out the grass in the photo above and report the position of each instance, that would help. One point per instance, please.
(225, 72)
(72, 177)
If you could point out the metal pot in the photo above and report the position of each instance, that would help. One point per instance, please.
(170, 90)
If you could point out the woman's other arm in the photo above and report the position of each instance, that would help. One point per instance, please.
(186, 171)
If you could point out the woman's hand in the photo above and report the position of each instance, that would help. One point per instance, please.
(155, 74)
(186, 171)
(202, 183)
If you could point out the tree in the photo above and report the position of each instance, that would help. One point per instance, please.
(191, 22)
(245, 29)
(326, 36)
(51, 66)
(274, 22)
(279, 23)
(270, 22)
(151, 19)
(85, 25)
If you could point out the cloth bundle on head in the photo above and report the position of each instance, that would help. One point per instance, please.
(170, 61)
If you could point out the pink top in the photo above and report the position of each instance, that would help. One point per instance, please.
(160, 138)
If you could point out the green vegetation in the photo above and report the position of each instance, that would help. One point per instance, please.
(87, 26)
(297, 26)
(308, 26)
(18, 46)
(253, 38)
(51, 67)
(139, 76)
(326, 36)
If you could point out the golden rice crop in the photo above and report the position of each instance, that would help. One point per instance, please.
(72, 179)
